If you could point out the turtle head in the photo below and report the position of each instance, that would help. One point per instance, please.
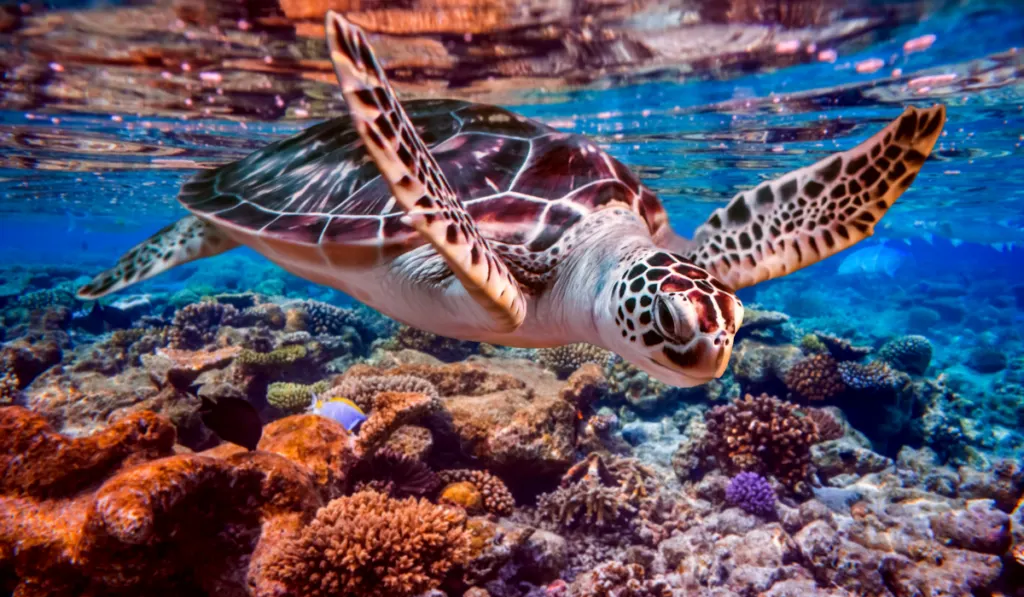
(671, 319)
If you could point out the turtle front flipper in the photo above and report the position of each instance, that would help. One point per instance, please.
(417, 183)
(186, 240)
(812, 213)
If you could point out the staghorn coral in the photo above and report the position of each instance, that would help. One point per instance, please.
(293, 397)
(911, 354)
(751, 492)
(363, 390)
(876, 376)
(370, 544)
(197, 324)
(565, 359)
(447, 349)
(764, 435)
(399, 474)
(496, 497)
(827, 426)
(816, 377)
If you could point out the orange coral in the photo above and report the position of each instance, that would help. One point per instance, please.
(497, 499)
(463, 494)
(816, 377)
(370, 545)
(186, 523)
(320, 444)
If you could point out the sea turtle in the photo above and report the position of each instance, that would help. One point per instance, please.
(473, 222)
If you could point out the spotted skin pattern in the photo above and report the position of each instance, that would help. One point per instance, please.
(415, 179)
(809, 214)
(188, 239)
(649, 294)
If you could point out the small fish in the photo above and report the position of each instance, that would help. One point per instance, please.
(233, 420)
(874, 260)
(341, 410)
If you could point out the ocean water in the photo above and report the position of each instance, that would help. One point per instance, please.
(106, 110)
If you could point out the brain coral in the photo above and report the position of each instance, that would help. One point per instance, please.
(816, 377)
(911, 354)
(763, 435)
(371, 545)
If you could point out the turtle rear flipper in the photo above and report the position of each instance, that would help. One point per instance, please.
(186, 240)
(416, 181)
(812, 213)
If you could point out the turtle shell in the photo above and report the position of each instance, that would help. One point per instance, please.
(523, 182)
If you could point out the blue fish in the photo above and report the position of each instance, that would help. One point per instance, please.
(341, 410)
(874, 260)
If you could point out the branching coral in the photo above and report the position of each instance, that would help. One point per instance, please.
(196, 325)
(390, 411)
(619, 579)
(323, 318)
(816, 377)
(497, 499)
(911, 354)
(751, 492)
(763, 435)
(286, 355)
(564, 360)
(876, 376)
(363, 390)
(371, 545)
(456, 379)
(601, 492)
(293, 397)
(825, 423)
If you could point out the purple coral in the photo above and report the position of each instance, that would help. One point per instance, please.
(752, 493)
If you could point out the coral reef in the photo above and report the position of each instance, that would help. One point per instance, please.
(449, 350)
(293, 397)
(197, 324)
(876, 376)
(825, 423)
(764, 435)
(395, 473)
(368, 544)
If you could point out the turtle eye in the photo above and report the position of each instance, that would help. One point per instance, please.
(665, 320)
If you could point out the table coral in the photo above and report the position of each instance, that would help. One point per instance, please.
(876, 376)
(841, 349)
(764, 435)
(371, 545)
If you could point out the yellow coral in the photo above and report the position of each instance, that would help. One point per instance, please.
(294, 397)
(463, 494)
(281, 356)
